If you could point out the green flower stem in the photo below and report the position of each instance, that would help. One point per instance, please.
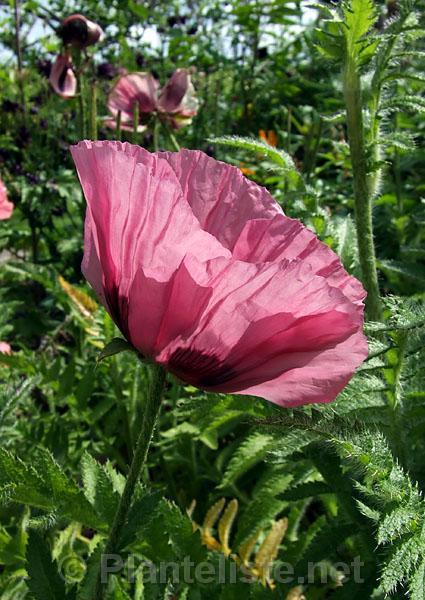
(156, 127)
(81, 105)
(118, 127)
(173, 140)
(362, 189)
(151, 410)
(135, 123)
(93, 111)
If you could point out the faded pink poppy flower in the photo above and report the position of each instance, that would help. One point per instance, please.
(6, 207)
(176, 102)
(204, 274)
(79, 32)
(62, 77)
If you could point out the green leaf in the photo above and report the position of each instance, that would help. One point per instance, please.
(43, 580)
(157, 527)
(44, 485)
(250, 452)
(115, 346)
(278, 157)
(417, 583)
(359, 17)
(309, 489)
(98, 488)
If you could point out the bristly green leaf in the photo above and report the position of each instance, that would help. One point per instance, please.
(98, 488)
(280, 158)
(417, 583)
(359, 17)
(44, 485)
(251, 451)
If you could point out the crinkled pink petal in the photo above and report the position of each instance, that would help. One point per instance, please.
(263, 321)
(62, 77)
(279, 317)
(248, 221)
(178, 95)
(138, 228)
(284, 238)
(136, 88)
(221, 198)
(6, 207)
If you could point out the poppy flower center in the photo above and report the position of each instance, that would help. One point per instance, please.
(199, 368)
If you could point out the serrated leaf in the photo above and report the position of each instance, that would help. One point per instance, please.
(257, 515)
(251, 451)
(417, 583)
(359, 17)
(401, 565)
(309, 489)
(98, 488)
(278, 157)
(44, 485)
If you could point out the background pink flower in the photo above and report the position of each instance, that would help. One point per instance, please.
(176, 101)
(62, 77)
(6, 207)
(5, 348)
(203, 273)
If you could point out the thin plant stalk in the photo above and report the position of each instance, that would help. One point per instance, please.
(156, 126)
(135, 122)
(18, 49)
(82, 115)
(362, 190)
(93, 111)
(118, 127)
(173, 140)
(151, 411)
(81, 107)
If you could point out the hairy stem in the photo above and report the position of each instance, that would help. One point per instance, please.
(362, 189)
(151, 410)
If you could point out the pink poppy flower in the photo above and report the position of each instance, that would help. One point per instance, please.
(6, 207)
(176, 102)
(62, 77)
(5, 348)
(79, 32)
(204, 274)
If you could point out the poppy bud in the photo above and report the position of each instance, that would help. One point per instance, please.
(79, 32)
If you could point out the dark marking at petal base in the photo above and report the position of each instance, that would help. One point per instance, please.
(199, 368)
(118, 307)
